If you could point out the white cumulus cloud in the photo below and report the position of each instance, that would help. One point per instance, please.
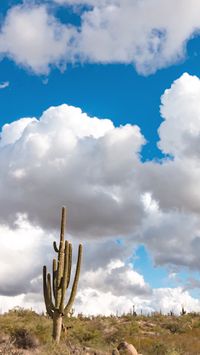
(67, 157)
(142, 33)
(180, 131)
(35, 39)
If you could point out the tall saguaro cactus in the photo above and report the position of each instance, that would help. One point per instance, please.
(60, 280)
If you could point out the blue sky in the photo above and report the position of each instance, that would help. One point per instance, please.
(115, 91)
(149, 187)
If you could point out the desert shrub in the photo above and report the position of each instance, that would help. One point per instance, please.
(121, 332)
(196, 324)
(23, 339)
(84, 333)
(158, 349)
(173, 352)
(174, 327)
(90, 335)
(21, 312)
(42, 331)
(55, 349)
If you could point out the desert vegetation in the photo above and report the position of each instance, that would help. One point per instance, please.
(26, 332)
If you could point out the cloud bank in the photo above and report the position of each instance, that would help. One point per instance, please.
(142, 33)
(94, 168)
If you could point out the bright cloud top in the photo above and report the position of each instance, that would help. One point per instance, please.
(34, 39)
(180, 131)
(67, 158)
(142, 33)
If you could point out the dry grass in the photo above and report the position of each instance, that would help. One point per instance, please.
(25, 332)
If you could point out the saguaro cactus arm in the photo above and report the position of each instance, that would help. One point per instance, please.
(65, 277)
(54, 273)
(69, 264)
(46, 292)
(49, 290)
(75, 283)
(55, 247)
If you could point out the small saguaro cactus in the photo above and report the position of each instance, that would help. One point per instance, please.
(183, 311)
(60, 280)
